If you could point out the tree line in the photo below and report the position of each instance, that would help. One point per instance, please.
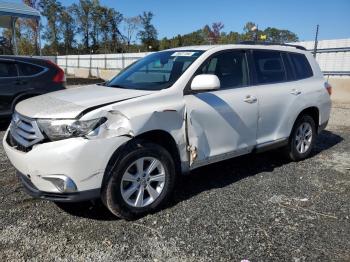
(89, 27)
(214, 34)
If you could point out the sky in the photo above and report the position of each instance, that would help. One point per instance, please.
(299, 16)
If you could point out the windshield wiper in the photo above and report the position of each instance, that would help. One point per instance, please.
(118, 86)
(102, 84)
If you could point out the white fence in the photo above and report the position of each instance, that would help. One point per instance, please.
(101, 65)
(333, 56)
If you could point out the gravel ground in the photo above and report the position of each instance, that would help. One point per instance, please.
(258, 207)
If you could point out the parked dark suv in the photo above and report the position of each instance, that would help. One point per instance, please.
(23, 77)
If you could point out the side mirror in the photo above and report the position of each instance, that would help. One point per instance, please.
(205, 82)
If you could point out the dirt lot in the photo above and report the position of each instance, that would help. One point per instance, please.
(257, 207)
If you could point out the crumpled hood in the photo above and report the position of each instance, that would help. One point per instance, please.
(70, 103)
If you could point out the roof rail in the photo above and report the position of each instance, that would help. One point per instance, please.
(270, 43)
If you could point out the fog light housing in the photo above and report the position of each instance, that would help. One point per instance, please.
(63, 183)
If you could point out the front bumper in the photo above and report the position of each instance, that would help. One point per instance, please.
(30, 188)
(82, 160)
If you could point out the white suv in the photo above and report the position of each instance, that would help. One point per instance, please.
(170, 112)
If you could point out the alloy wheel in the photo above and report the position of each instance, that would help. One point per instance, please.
(303, 137)
(143, 182)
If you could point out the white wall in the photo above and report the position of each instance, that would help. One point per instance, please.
(97, 65)
(334, 60)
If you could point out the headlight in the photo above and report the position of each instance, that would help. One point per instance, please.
(66, 128)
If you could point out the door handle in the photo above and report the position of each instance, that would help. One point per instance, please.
(295, 92)
(250, 99)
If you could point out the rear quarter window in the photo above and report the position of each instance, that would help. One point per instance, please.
(301, 66)
(29, 69)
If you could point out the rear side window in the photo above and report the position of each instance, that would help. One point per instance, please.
(7, 70)
(269, 67)
(301, 66)
(28, 69)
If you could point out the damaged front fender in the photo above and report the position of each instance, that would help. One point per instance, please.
(116, 125)
(133, 119)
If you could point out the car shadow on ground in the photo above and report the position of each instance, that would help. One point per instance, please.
(213, 176)
(224, 173)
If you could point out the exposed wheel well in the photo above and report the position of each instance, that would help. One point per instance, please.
(159, 137)
(164, 139)
(313, 112)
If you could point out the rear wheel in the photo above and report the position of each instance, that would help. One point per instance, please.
(302, 138)
(140, 182)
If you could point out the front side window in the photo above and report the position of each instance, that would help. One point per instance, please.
(8, 70)
(268, 67)
(156, 71)
(229, 67)
(28, 69)
(301, 66)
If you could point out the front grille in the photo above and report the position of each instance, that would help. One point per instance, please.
(24, 132)
(13, 143)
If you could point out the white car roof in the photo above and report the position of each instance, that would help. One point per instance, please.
(239, 46)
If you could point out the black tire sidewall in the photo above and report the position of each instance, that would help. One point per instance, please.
(112, 194)
(294, 154)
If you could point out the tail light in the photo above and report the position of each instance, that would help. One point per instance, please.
(328, 88)
(59, 77)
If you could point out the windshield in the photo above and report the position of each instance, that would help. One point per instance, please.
(156, 71)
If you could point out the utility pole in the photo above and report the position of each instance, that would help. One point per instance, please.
(316, 40)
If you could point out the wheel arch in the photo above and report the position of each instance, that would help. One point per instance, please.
(312, 111)
(165, 139)
(160, 137)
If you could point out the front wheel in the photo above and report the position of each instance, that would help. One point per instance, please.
(140, 182)
(302, 138)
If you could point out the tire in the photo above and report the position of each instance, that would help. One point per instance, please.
(150, 190)
(302, 138)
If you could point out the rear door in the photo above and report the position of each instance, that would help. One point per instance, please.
(8, 85)
(277, 93)
(222, 123)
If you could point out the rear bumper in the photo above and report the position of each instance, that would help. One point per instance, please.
(31, 189)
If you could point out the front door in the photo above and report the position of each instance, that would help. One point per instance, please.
(222, 123)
